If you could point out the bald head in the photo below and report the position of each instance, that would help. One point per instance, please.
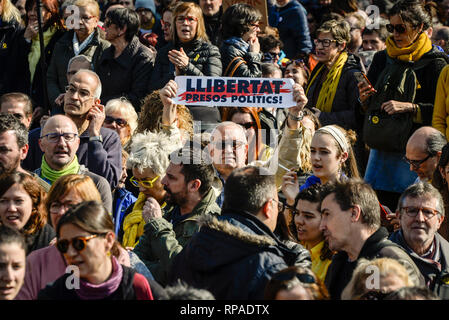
(424, 150)
(59, 142)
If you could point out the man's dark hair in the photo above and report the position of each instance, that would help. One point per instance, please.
(312, 194)
(442, 33)
(248, 189)
(9, 236)
(182, 291)
(435, 143)
(381, 32)
(122, 17)
(269, 42)
(21, 97)
(8, 122)
(412, 293)
(356, 192)
(194, 166)
(236, 20)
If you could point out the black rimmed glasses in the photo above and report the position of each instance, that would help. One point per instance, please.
(412, 212)
(417, 163)
(324, 42)
(54, 137)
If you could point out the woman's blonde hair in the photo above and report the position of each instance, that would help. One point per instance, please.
(195, 9)
(339, 29)
(357, 287)
(125, 107)
(9, 12)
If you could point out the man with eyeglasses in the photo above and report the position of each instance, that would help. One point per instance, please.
(83, 38)
(190, 194)
(421, 212)
(100, 149)
(350, 222)
(59, 142)
(423, 152)
(19, 105)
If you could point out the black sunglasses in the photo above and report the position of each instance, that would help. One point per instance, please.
(374, 295)
(120, 122)
(248, 125)
(400, 28)
(78, 243)
(417, 163)
(287, 276)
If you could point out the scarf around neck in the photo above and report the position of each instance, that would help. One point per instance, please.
(239, 43)
(53, 175)
(89, 291)
(330, 84)
(413, 52)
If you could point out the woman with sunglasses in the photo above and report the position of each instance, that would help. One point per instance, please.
(125, 67)
(122, 118)
(148, 159)
(190, 51)
(12, 262)
(295, 283)
(22, 208)
(386, 171)
(86, 239)
(240, 50)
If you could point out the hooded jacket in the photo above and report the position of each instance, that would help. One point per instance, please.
(376, 246)
(233, 256)
(162, 241)
(345, 107)
(429, 269)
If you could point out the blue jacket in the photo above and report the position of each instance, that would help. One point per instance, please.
(102, 158)
(233, 256)
(123, 199)
(291, 21)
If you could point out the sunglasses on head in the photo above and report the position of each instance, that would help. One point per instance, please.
(400, 28)
(78, 243)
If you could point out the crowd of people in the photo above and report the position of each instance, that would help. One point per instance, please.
(109, 190)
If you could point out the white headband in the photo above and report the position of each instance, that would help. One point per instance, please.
(338, 136)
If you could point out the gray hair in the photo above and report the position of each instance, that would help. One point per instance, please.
(225, 124)
(80, 57)
(97, 91)
(422, 189)
(435, 142)
(152, 150)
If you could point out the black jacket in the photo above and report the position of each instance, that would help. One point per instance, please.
(58, 289)
(128, 75)
(233, 256)
(376, 246)
(204, 61)
(11, 66)
(345, 110)
(429, 270)
(40, 239)
(213, 28)
(427, 78)
(250, 69)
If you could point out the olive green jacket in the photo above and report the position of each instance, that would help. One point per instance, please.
(160, 242)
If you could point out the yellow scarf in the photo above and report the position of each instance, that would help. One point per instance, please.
(329, 88)
(411, 53)
(35, 51)
(133, 224)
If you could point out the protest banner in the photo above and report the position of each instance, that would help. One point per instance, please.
(260, 5)
(234, 92)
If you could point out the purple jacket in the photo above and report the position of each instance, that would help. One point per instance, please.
(103, 158)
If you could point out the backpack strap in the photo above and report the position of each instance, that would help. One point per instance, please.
(238, 61)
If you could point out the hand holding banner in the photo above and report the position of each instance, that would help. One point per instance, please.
(234, 92)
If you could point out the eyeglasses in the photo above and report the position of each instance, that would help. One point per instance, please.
(275, 54)
(120, 122)
(83, 94)
(78, 243)
(399, 28)
(374, 295)
(412, 212)
(281, 205)
(221, 145)
(86, 19)
(187, 19)
(417, 163)
(324, 42)
(56, 206)
(287, 276)
(248, 125)
(54, 137)
(148, 184)
(292, 209)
